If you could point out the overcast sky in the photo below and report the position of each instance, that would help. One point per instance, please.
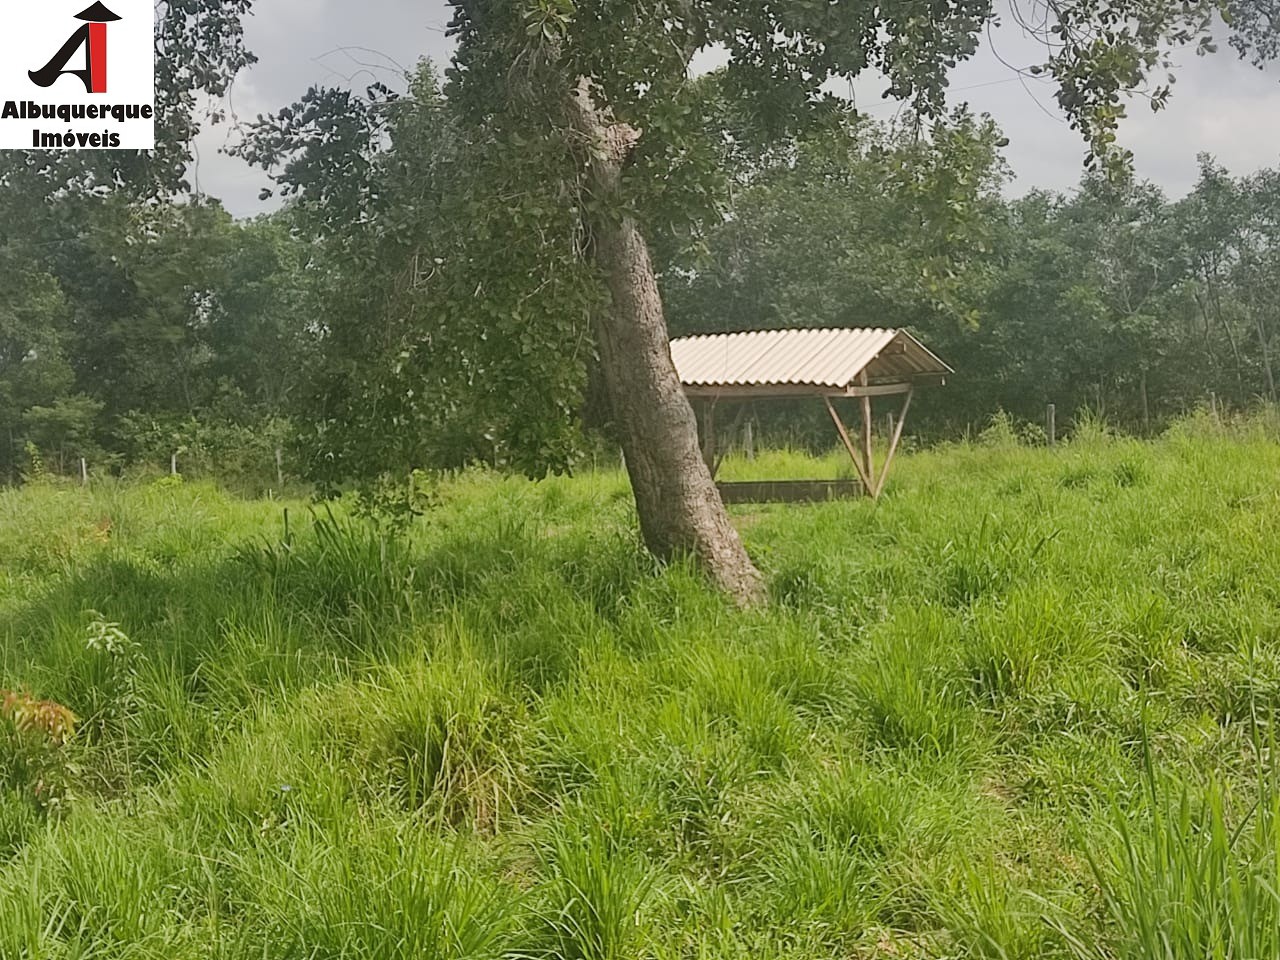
(1220, 105)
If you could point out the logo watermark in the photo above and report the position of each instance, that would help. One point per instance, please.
(75, 77)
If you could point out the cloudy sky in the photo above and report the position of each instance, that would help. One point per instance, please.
(1220, 105)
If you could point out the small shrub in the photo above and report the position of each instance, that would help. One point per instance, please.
(1199, 424)
(35, 470)
(1090, 429)
(171, 481)
(44, 718)
(1000, 433)
(1004, 432)
(33, 752)
(108, 639)
(1129, 473)
(397, 502)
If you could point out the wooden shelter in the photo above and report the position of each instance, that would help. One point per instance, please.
(826, 365)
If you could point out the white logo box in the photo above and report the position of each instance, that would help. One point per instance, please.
(65, 114)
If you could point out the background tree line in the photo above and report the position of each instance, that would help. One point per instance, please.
(351, 328)
(1114, 298)
(129, 331)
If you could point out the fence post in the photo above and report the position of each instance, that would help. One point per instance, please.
(279, 467)
(84, 472)
(1051, 424)
(173, 464)
(1213, 407)
(892, 424)
(749, 439)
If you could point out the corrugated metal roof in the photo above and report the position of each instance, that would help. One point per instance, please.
(818, 358)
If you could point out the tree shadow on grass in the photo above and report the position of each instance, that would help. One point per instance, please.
(319, 603)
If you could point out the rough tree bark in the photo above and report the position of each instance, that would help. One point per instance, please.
(679, 507)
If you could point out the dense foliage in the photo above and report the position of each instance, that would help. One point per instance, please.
(120, 291)
(456, 328)
(426, 297)
(340, 327)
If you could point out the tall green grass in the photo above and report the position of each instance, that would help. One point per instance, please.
(1020, 708)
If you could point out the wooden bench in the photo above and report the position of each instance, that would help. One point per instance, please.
(790, 491)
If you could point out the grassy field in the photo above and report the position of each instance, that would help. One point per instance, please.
(1022, 708)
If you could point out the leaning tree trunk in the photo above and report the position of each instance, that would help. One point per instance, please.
(679, 507)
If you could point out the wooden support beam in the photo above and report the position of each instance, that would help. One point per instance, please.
(733, 432)
(893, 447)
(848, 444)
(793, 391)
(709, 434)
(868, 454)
(877, 389)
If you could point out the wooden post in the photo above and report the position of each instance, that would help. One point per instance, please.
(1051, 424)
(709, 434)
(867, 448)
(889, 419)
(733, 432)
(848, 445)
(84, 472)
(1146, 403)
(173, 464)
(749, 439)
(1213, 407)
(279, 467)
(893, 445)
